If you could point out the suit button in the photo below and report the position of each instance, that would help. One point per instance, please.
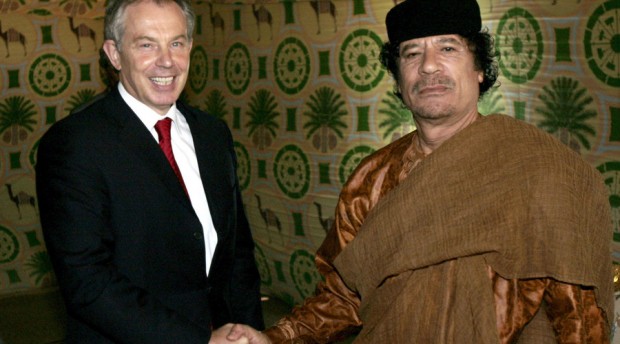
(198, 235)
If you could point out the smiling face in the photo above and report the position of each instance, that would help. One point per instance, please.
(154, 56)
(438, 80)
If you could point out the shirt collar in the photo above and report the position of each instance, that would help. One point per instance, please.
(147, 115)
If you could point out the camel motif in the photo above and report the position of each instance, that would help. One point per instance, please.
(324, 6)
(553, 2)
(20, 199)
(270, 218)
(8, 6)
(262, 15)
(81, 31)
(12, 36)
(217, 22)
(325, 223)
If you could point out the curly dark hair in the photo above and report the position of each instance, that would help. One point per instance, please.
(481, 44)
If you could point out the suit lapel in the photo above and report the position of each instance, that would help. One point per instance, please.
(212, 163)
(136, 138)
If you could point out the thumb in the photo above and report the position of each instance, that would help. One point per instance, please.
(235, 333)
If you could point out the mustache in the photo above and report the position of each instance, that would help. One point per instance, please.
(433, 81)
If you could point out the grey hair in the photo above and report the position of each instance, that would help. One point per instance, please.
(114, 23)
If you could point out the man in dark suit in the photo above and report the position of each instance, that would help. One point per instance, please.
(143, 254)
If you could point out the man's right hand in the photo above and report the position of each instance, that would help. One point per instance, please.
(239, 331)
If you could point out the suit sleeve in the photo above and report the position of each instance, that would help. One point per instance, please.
(74, 206)
(245, 300)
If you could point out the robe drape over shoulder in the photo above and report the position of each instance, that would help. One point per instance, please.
(500, 193)
(501, 235)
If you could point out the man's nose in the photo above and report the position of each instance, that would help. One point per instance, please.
(430, 64)
(165, 58)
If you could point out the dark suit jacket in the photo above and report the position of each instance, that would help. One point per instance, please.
(125, 242)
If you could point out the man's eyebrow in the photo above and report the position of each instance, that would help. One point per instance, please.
(149, 38)
(450, 40)
(409, 46)
(181, 36)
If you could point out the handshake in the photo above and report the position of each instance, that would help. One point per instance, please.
(238, 334)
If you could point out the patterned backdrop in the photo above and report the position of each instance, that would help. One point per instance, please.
(300, 85)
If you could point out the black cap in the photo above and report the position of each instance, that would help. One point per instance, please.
(421, 18)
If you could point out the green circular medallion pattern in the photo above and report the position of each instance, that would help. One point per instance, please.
(238, 68)
(292, 171)
(9, 246)
(263, 266)
(351, 159)
(243, 166)
(359, 61)
(199, 69)
(611, 176)
(49, 75)
(602, 43)
(519, 41)
(304, 273)
(291, 65)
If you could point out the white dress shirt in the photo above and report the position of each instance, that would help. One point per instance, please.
(185, 156)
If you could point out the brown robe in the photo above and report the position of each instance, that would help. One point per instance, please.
(500, 221)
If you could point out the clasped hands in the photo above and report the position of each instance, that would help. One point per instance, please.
(238, 334)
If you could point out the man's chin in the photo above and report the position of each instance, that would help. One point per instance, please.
(432, 112)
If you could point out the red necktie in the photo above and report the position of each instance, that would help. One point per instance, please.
(163, 130)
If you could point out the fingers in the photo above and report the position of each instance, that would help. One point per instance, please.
(220, 336)
(242, 340)
(236, 332)
(239, 332)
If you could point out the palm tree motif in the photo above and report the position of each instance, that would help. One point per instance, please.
(16, 119)
(80, 99)
(325, 118)
(40, 267)
(491, 102)
(215, 104)
(262, 122)
(399, 120)
(73, 7)
(565, 112)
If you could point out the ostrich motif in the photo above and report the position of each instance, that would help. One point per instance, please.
(325, 223)
(324, 6)
(20, 199)
(262, 15)
(12, 36)
(270, 218)
(216, 21)
(80, 31)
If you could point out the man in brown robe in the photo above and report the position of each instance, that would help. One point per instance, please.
(471, 229)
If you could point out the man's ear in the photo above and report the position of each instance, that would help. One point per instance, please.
(480, 77)
(109, 46)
